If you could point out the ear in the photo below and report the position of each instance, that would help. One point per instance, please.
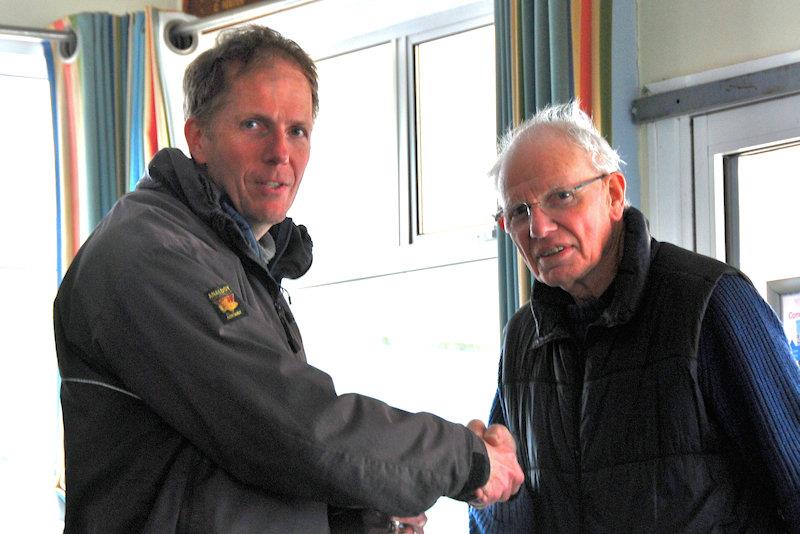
(616, 193)
(196, 138)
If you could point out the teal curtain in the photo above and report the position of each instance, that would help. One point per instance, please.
(100, 97)
(102, 64)
(534, 68)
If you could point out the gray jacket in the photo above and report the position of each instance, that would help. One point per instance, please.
(188, 403)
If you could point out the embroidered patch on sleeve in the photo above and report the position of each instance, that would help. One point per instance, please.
(224, 301)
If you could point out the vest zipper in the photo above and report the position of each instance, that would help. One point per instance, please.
(580, 373)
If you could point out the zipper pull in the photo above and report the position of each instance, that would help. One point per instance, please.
(293, 343)
(286, 294)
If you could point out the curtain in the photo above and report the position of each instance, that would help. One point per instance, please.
(110, 117)
(548, 52)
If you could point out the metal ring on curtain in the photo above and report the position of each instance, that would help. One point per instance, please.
(68, 48)
(178, 41)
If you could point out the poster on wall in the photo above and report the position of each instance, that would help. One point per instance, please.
(784, 297)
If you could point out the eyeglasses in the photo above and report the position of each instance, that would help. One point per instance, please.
(552, 203)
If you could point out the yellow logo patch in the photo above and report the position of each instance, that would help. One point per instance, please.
(224, 301)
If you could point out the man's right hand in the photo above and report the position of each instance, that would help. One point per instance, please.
(505, 475)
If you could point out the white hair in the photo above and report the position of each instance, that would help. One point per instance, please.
(576, 125)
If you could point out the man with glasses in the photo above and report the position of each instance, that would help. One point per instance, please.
(650, 388)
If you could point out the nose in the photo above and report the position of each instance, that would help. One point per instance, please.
(277, 150)
(541, 224)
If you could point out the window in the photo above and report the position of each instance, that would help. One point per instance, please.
(762, 192)
(350, 184)
(724, 183)
(401, 303)
(400, 153)
(744, 187)
(29, 405)
(455, 131)
(422, 341)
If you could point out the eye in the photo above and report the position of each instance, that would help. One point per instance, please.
(298, 131)
(250, 124)
(519, 211)
(560, 199)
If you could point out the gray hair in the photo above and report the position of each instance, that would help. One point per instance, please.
(576, 125)
(208, 77)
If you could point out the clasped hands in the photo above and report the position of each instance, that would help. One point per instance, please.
(505, 475)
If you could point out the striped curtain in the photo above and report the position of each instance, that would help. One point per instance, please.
(110, 117)
(548, 52)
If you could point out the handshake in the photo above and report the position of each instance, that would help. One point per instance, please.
(505, 475)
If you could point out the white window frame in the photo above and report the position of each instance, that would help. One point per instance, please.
(683, 194)
(413, 252)
(31, 504)
(335, 27)
(411, 234)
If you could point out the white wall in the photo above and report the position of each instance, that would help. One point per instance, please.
(40, 13)
(680, 37)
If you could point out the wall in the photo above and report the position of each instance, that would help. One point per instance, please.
(677, 38)
(680, 37)
(40, 13)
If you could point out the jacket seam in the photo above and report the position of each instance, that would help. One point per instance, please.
(101, 384)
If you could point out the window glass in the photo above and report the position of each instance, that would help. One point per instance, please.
(411, 322)
(30, 444)
(455, 125)
(421, 341)
(769, 193)
(349, 192)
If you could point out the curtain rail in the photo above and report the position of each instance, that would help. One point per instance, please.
(179, 30)
(37, 33)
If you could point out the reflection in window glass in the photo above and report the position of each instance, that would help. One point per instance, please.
(790, 317)
(769, 196)
(350, 185)
(422, 341)
(455, 120)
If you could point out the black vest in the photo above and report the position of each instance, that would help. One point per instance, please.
(613, 431)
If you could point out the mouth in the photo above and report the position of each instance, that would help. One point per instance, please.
(550, 251)
(269, 184)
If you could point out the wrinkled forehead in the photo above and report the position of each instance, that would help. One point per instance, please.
(542, 159)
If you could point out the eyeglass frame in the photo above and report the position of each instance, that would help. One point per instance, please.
(499, 217)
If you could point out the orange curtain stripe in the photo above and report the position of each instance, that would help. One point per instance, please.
(516, 64)
(594, 66)
(69, 153)
(584, 80)
(150, 127)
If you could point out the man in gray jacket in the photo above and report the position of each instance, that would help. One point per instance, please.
(188, 403)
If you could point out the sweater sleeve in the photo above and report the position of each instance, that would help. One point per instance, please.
(511, 517)
(752, 387)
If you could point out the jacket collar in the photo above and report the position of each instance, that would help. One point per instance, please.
(549, 304)
(190, 183)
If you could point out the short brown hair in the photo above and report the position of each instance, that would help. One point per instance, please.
(207, 78)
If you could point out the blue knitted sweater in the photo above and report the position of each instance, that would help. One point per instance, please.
(751, 385)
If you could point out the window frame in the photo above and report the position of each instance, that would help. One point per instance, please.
(23, 60)
(412, 204)
(683, 195)
(413, 252)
